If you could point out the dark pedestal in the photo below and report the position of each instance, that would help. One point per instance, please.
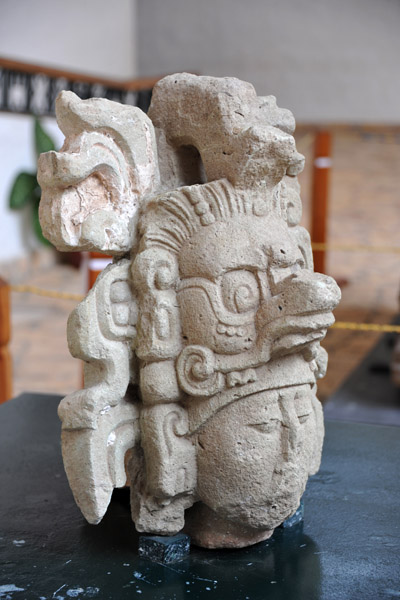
(166, 549)
(348, 548)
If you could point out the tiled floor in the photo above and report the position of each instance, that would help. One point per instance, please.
(364, 209)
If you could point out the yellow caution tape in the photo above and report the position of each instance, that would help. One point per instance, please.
(78, 297)
(366, 327)
(32, 289)
(356, 248)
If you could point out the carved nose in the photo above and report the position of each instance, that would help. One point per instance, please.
(290, 429)
(304, 293)
(293, 439)
(314, 291)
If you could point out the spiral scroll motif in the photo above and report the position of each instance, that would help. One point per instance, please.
(196, 372)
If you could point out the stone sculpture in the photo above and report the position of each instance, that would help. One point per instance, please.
(201, 341)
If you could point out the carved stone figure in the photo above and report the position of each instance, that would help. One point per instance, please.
(201, 341)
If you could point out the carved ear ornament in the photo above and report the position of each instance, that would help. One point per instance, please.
(154, 272)
(171, 470)
(202, 374)
(196, 372)
(154, 269)
(117, 306)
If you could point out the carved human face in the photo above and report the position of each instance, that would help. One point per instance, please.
(254, 456)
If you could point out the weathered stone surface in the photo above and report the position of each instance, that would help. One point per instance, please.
(202, 340)
(92, 188)
(209, 530)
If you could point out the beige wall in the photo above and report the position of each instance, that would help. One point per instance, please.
(327, 60)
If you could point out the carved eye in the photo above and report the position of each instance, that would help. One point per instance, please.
(303, 418)
(267, 427)
(303, 407)
(240, 291)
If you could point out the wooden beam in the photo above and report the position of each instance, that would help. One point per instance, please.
(97, 262)
(333, 127)
(5, 331)
(319, 195)
(132, 85)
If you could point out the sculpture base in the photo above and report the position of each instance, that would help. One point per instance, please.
(208, 530)
(164, 549)
(296, 518)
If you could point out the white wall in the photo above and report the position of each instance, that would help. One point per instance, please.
(17, 154)
(92, 36)
(326, 60)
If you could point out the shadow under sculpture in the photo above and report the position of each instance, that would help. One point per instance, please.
(201, 341)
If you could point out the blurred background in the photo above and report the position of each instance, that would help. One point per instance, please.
(333, 64)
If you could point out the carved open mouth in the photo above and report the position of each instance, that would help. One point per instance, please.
(295, 331)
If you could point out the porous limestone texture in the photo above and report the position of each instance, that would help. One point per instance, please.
(201, 340)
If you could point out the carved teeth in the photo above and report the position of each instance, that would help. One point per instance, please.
(231, 330)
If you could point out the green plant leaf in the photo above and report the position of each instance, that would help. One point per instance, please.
(36, 225)
(43, 142)
(23, 190)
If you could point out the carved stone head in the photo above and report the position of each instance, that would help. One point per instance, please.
(201, 340)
